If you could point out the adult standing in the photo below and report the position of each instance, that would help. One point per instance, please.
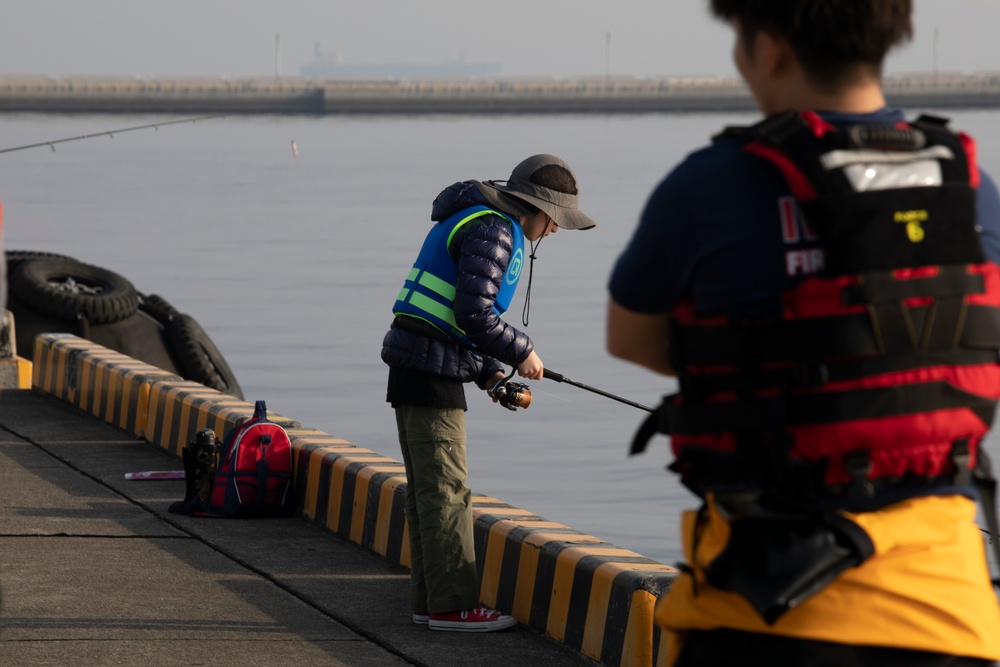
(447, 332)
(825, 287)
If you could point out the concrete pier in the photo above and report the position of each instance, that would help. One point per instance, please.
(495, 95)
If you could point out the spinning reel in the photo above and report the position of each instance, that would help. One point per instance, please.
(511, 395)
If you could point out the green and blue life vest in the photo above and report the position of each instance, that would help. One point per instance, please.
(429, 290)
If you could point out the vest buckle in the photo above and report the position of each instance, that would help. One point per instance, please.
(960, 457)
(859, 466)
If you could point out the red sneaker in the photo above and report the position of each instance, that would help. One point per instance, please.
(479, 619)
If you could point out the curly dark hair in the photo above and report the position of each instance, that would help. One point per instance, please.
(829, 37)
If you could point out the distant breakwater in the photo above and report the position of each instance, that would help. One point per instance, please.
(500, 95)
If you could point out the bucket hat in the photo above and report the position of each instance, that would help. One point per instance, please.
(532, 181)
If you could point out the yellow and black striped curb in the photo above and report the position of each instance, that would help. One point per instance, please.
(151, 403)
(590, 595)
(106, 384)
(24, 373)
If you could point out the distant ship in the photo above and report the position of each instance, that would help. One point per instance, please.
(332, 66)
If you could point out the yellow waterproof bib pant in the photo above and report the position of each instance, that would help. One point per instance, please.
(926, 587)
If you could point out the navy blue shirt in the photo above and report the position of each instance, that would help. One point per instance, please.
(723, 231)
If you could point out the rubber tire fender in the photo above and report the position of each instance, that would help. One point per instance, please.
(37, 284)
(16, 257)
(158, 308)
(198, 358)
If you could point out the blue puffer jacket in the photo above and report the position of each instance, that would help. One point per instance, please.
(482, 249)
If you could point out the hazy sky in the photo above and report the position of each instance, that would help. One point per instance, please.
(526, 37)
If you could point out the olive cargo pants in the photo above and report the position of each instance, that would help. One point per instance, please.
(438, 509)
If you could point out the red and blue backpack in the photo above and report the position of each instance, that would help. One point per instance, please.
(254, 474)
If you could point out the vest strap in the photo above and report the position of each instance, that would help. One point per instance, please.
(882, 287)
(814, 374)
(698, 418)
(844, 336)
(756, 414)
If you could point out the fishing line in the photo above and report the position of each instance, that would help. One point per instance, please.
(110, 133)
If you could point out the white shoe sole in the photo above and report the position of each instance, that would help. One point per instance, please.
(421, 619)
(472, 626)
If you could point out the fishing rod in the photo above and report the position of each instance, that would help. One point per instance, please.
(508, 394)
(110, 133)
(559, 377)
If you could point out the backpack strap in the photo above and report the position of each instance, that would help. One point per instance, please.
(263, 467)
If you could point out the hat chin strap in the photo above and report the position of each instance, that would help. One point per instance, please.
(531, 267)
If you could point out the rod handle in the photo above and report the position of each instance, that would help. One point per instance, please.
(552, 375)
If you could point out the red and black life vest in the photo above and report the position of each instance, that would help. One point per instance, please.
(883, 371)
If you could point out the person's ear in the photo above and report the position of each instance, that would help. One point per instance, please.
(773, 55)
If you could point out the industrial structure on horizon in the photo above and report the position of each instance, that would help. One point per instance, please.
(331, 65)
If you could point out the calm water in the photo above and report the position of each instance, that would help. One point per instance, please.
(292, 265)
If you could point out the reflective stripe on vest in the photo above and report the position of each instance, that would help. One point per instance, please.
(428, 292)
